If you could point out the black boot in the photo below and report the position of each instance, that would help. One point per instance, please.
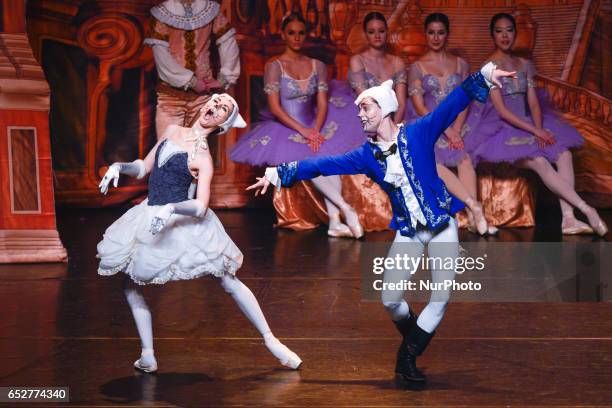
(405, 363)
(415, 342)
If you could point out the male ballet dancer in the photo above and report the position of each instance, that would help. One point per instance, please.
(401, 160)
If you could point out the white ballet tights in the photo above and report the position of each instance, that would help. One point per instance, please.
(249, 306)
(142, 317)
(246, 301)
(557, 184)
(241, 294)
(447, 241)
(331, 188)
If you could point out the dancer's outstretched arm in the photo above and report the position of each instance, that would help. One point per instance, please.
(476, 86)
(138, 168)
(286, 174)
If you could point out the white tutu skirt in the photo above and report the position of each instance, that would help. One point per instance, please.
(186, 248)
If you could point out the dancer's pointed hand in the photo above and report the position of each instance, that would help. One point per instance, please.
(260, 187)
(497, 74)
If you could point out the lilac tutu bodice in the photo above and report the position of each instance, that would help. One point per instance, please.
(499, 141)
(434, 90)
(270, 142)
(365, 79)
(297, 97)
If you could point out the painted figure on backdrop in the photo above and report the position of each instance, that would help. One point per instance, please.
(180, 36)
(518, 126)
(173, 235)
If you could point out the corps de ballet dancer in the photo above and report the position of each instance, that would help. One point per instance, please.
(518, 126)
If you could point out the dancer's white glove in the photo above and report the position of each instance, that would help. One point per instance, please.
(193, 208)
(133, 169)
(492, 75)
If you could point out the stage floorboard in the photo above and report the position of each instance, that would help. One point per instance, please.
(62, 325)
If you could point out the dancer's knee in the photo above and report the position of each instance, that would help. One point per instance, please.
(391, 306)
(465, 162)
(538, 164)
(395, 308)
(134, 297)
(565, 153)
(229, 283)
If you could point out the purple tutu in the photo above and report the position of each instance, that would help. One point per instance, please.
(499, 141)
(269, 142)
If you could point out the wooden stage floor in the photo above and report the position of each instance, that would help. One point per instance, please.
(62, 325)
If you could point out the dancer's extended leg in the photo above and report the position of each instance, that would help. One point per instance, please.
(569, 224)
(142, 317)
(248, 304)
(459, 190)
(561, 188)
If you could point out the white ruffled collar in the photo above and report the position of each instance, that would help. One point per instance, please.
(172, 13)
(395, 174)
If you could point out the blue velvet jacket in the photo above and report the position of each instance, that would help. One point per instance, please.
(416, 148)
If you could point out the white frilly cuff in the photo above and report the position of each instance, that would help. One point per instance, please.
(272, 176)
(487, 73)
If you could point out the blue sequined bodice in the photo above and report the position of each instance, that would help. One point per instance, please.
(169, 183)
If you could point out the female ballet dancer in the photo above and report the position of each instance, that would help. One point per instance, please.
(518, 127)
(431, 78)
(375, 65)
(401, 160)
(296, 86)
(170, 236)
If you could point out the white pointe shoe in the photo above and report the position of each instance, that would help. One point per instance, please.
(149, 365)
(479, 219)
(598, 225)
(492, 230)
(352, 220)
(572, 226)
(337, 229)
(285, 356)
